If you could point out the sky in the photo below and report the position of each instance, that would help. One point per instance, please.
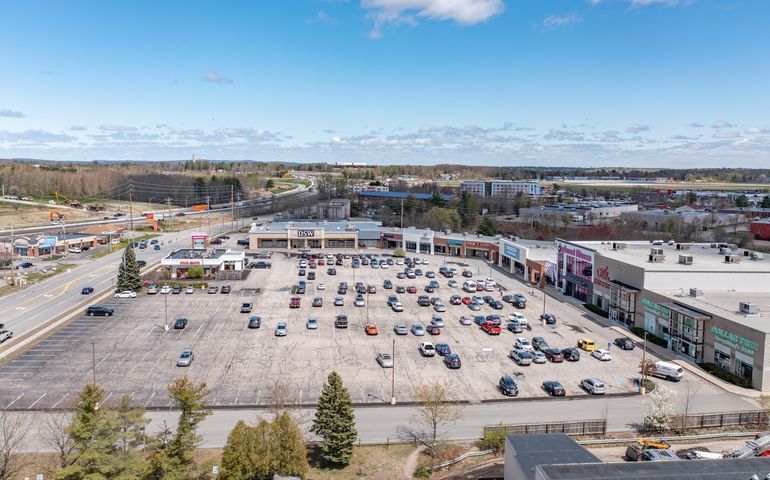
(638, 83)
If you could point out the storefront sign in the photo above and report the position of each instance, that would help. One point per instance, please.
(305, 233)
(734, 341)
(190, 262)
(603, 273)
(656, 309)
(577, 253)
(511, 251)
(49, 241)
(455, 242)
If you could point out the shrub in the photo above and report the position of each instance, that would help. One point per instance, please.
(638, 331)
(494, 438)
(399, 252)
(597, 310)
(195, 272)
(726, 375)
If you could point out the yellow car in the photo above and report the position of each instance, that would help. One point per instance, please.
(586, 344)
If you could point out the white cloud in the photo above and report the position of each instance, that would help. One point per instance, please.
(725, 135)
(556, 21)
(722, 124)
(216, 77)
(77, 128)
(396, 12)
(696, 125)
(4, 112)
(637, 128)
(322, 17)
(756, 130)
(33, 138)
(111, 127)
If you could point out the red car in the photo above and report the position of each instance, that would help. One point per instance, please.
(411, 289)
(294, 302)
(434, 330)
(491, 328)
(321, 261)
(467, 300)
(479, 287)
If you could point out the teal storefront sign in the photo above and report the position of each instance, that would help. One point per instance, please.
(736, 342)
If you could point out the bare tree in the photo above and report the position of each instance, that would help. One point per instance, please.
(435, 411)
(54, 433)
(280, 396)
(688, 395)
(13, 431)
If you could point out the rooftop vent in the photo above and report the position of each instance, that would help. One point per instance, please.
(656, 251)
(683, 246)
(725, 250)
(732, 258)
(756, 256)
(696, 292)
(749, 308)
(685, 259)
(657, 258)
(619, 246)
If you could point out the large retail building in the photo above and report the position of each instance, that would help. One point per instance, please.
(708, 302)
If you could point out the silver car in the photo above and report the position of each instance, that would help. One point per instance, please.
(439, 307)
(312, 324)
(385, 360)
(359, 301)
(189, 289)
(521, 357)
(400, 329)
(437, 321)
(5, 335)
(594, 386)
(185, 358)
(280, 330)
(466, 320)
(538, 356)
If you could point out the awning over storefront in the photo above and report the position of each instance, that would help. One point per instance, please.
(624, 286)
(686, 311)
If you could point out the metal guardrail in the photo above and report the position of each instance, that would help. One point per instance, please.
(462, 457)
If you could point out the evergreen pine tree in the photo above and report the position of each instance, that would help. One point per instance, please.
(128, 272)
(765, 202)
(189, 399)
(287, 447)
(335, 421)
(238, 457)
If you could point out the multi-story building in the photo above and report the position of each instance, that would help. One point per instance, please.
(496, 188)
(706, 302)
(365, 187)
(578, 213)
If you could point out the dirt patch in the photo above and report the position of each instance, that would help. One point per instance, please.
(379, 462)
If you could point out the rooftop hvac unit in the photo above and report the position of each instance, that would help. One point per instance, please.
(656, 251)
(756, 256)
(696, 292)
(683, 246)
(685, 259)
(749, 308)
(657, 258)
(732, 258)
(619, 246)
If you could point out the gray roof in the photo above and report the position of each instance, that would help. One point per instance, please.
(726, 469)
(328, 226)
(545, 449)
(189, 253)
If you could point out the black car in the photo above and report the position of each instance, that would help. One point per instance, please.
(180, 323)
(176, 289)
(311, 276)
(571, 354)
(87, 291)
(255, 321)
(400, 289)
(99, 310)
(387, 284)
(550, 318)
(452, 361)
(554, 388)
(497, 305)
(423, 301)
(538, 343)
(554, 354)
(331, 271)
(429, 289)
(244, 242)
(508, 386)
(624, 343)
(519, 301)
(141, 263)
(467, 273)
(23, 265)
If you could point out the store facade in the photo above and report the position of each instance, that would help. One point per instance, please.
(575, 270)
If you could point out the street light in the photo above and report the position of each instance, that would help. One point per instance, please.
(393, 375)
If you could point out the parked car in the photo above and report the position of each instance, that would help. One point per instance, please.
(594, 386)
(185, 358)
(624, 343)
(246, 307)
(508, 386)
(519, 301)
(452, 361)
(523, 344)
(602, 354)
(433, 330)
(331, 271)
(225, 289)
(23, 265)
(125, 294)
(385, 360)
(255, 321)
(387, 284)
(397, 307)
(312, 324)
(411, 289)
(443, 349)
(554, 388)
(587, 344)
(212, 289)
(571, 354)
(515, 327)
(400, 289)
(341, 321)
(538, 357)
(359, 301)
(99, 310)
(491, 328)
(180, 323)
(294, 302)
(539, 344)
(400, 329)
(280, 330)
(466, 320)
(371, 329)
(554, 355)
(318, 302)
(550, 319)
(339, 301)
(87, 291)
(474, 306)
(189, 289)
(418, 330)
(521, 357)
(518, 317)
(165, 289)
(439, 307)
(427, 349)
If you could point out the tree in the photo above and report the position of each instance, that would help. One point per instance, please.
(399, 252)
(765, 202)
(660, 409)
(468, 209)
(270, 184)
(195, 272)
(741, 201)
(435, 411)
(238, 456)
(13, 431)
(189, 399)
(335, 421)
(129, 277)
(442, 219)
(287, 447)
(488, 227)
(436, 200)
(54, 429)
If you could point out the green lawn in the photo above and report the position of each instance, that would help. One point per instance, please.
(123, 244)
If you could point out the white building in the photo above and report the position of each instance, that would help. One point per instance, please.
(497, 188)
(210, 260)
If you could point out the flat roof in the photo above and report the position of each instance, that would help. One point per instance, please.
(196, 253)
(705, 258)
(531, 450)
(725, 304)
(724, 469)
(418, 196)
(327, 226)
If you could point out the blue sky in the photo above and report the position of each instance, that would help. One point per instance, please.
(495, 82)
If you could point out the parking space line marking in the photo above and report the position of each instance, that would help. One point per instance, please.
(60, 400)
(150, 399)
(104, 402)
(35, 402)
(17, 398)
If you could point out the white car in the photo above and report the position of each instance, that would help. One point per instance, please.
(74, 250)
(400, 261)
(397, 307)
(320, 286)
(594, 386)
(125, 294)
(427, 349)
(312, 324)
(189, 289)
(165, 289)
(518, 317)
(523, 344)
(602, 354)
(5, 335)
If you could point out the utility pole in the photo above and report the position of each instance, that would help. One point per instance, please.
(402, 213)
(168, 202)
(393, 375)
(642, 389)
(131, 206)
(208, 213)
(232, 205)
(238, 199)
(93, 361)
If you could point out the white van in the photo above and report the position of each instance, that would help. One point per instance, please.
(469, 286)
(667, 370)
(490, 282)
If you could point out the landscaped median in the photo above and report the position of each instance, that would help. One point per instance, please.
(121, 245)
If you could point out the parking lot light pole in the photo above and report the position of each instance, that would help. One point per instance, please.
(642, 389)
(393, 375)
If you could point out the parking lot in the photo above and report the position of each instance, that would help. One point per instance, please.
(136, 355)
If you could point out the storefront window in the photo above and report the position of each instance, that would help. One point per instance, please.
(439, 249)
(746, 370)
(722, 360)
(411, 246)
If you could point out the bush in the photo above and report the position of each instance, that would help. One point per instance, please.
(638, 331)
(399, 252)
(726, 375)
(494, 438)
(597, 310)
(195, 272)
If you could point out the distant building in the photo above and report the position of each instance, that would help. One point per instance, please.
(365, 187)
(760, 229)
(583, 213)
(399, 195)
(660, 219)
(335, 209)
(496, 188)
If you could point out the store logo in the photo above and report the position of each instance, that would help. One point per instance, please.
(603, 273)
(305, 233)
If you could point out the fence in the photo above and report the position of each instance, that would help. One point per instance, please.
(583, 427)
(232, 274)
(754, 418)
